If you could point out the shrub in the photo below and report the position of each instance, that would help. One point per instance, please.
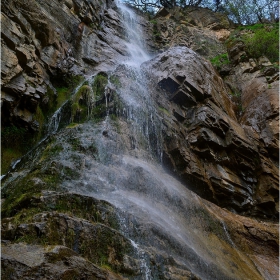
(264, 41)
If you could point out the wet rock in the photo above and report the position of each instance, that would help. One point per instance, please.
(207, 145)
(32, 261)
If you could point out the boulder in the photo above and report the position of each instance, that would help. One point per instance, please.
(22, 261)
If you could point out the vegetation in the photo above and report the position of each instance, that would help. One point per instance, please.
(258, 39)
(263, 41)
(82, 103)
(220, 60)
(163, 110)
(16, 141)
(63, 93)
(99, 84)
(239, 11)
(115, 81)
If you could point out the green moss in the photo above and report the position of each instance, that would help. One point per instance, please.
(17, 199)
(163, 110)
(63, 94)
(15, 142)
(74, 108)
(98, 243)
(113, 117)
(220, 60)
(25, 215)
(99, 84)
(115, 81)
(52, 149)
(75, 143)
(8, 156)
(72, 125)
(99, 111)
(70, 173)
(39, 116)
(82, 103)
(18, 194)
(107, 267)
(70, 237)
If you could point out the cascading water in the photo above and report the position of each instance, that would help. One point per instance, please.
(118, 161)
(135, 43)
(128, 175)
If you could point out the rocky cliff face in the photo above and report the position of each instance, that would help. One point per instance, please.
(45, 46)
(158, 172)
(225, 160)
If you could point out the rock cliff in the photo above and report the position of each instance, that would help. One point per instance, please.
(164, 171)
(224, 158)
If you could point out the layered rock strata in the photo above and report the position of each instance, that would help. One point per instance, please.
(225, 160)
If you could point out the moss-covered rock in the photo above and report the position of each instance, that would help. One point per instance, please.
(82, 104)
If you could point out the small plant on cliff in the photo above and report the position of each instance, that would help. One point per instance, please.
(220, 60)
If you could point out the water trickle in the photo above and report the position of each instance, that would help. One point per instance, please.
(141, 255)
(53, 124)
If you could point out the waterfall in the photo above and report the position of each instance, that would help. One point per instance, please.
(118, 160)
(135, 43)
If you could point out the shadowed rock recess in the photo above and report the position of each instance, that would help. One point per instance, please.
(142, 161)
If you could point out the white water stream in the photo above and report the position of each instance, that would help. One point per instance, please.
(135, 43)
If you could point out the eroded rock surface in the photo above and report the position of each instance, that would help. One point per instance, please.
(22, 261)
(220, 158)
(44, 44)
(199, 29)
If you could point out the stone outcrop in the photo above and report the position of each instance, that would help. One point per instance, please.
(226, 161)
(21, 261)
(199, 29)
(257, 83)
(46, 233)
(44, 45)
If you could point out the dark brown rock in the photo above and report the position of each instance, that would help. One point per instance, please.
(212, 150)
